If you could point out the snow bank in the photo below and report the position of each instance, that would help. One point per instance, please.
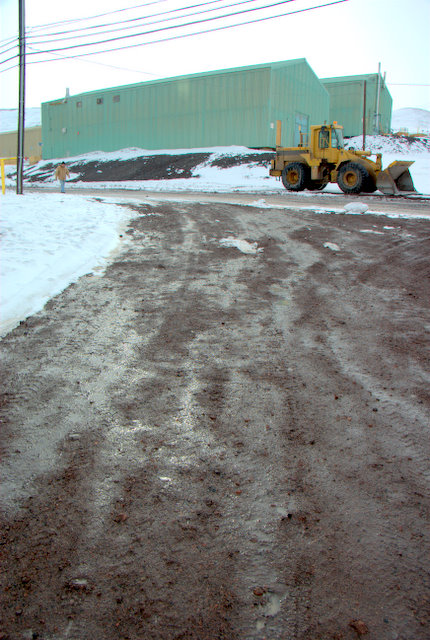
(49, 241)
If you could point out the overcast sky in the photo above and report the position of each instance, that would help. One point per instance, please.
(348, 38)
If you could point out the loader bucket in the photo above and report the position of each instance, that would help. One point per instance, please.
(396, 178)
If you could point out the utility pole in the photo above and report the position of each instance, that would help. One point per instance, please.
(378, 97)
(364, 114)
(21, 99)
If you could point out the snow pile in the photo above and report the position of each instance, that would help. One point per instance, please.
(49, 241)
(403, 145)
(9, 119)
(411, 120)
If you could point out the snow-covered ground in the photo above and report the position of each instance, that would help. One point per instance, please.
(49, 239)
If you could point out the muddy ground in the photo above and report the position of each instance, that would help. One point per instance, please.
(204, 444)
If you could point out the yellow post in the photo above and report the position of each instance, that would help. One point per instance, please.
(278, 133)
(3, 184)
(4, 161)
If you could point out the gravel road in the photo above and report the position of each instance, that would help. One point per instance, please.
(220, 442)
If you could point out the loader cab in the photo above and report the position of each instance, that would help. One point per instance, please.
(336, 138)
(330, 138)
(324, 138)
(326, 142)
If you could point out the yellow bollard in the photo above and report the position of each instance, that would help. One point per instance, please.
(4, 161)
(3, 183)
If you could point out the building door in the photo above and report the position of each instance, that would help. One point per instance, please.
(301, 129)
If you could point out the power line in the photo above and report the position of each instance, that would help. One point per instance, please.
(100, 15)
(10, 49)
(144, 19)
(186, 24)
(186, 35)
(156, 30)
(101, 64)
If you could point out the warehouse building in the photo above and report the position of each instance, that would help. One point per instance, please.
(32, 144)
(350, 95)
(219, 108)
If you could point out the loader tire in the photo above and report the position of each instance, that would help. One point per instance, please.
(352, 178)
(295, 176)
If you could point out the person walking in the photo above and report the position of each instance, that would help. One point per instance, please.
(61, 173)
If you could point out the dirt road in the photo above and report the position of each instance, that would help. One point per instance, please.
(213, 442)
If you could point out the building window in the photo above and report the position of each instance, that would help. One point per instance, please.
(115, 99)
(99, 100)
(79, 104)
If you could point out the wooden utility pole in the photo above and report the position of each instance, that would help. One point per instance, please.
(21, 98)
(364, 114)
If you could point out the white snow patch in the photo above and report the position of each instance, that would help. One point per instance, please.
(331, 245)
(262, 204)
(379, 233)
(356, 207)
(243, 245)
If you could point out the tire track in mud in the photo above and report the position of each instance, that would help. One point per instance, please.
(371, 475)
(208, 470)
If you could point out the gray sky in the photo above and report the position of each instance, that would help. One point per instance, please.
(343, 39)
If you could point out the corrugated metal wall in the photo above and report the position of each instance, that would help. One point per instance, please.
(220, 108)
(346, 103)
(297, 96)
(32, 143)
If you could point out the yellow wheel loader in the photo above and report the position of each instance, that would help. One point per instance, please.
(325, 160)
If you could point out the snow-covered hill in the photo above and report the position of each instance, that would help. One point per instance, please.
(411, 120)
(9, 119)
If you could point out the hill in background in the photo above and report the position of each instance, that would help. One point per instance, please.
(9, 119)
(411, 120)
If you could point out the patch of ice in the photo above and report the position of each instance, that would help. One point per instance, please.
(379, 233)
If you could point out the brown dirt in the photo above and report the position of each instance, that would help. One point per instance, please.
(205, 444)
(151, 167)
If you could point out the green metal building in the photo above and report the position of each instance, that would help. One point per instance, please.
(347, 97)
(219, 108)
